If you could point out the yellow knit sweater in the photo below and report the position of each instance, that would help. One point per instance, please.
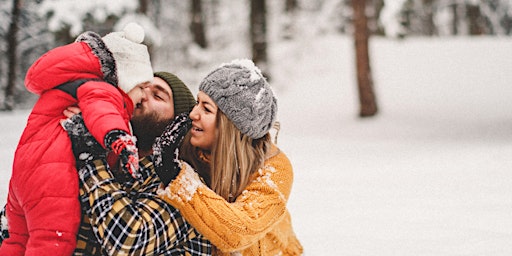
(257, 223)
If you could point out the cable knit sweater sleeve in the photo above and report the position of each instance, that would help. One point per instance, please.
(234, 226)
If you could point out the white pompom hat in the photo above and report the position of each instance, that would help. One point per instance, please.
(131, 57)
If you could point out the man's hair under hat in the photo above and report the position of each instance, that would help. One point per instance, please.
(183, 99)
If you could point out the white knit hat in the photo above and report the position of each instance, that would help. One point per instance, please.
(133, 65)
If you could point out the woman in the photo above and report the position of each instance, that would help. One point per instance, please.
(242, 206)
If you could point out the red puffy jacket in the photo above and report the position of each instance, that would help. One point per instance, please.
(43, 209)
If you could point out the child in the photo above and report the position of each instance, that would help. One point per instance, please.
(98, 74)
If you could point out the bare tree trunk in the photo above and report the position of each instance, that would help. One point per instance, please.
(291, 5)
(455, 21)
(143, 6)
(12, 45)
(259, 35)
(364, 76)
(289, 19)
(144, 9)
(373, 17)
(474, 17)
(197, 24)
(429, 24)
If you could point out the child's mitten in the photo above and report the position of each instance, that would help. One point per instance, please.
(123, 144)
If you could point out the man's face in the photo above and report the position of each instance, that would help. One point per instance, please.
(156, 97)
(152, 113)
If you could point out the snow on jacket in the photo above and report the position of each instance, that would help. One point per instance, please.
(43, 209)
(257, 223)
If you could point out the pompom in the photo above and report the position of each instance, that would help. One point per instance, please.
(134, 32)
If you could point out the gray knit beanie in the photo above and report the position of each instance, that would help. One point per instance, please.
(243, 94)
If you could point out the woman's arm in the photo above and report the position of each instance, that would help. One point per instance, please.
(234, 226)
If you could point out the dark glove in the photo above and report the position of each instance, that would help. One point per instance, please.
(4, 232)
(123, 144)
(85, 147)
(166, 148)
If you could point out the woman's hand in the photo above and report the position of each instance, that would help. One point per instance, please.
(166, 148)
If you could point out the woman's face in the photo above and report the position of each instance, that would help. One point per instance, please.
(204, 122)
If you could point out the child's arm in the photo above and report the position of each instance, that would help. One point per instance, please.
(106, 111)
(104, 108)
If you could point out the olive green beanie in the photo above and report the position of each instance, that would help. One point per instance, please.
(183, 99)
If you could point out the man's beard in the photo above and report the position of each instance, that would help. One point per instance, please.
(147, 128)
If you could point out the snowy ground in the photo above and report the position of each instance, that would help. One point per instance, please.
(430, 175)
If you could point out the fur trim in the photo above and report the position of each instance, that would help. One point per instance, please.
(107, 61)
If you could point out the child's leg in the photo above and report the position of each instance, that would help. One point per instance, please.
(17, 226)
(46, 233)
(53, 211)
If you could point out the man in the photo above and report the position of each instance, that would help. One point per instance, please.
(138, 222)
(124, 216)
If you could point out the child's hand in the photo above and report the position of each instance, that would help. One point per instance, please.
(166, 148)
(85, 147)
(71, 111)
(123, 144)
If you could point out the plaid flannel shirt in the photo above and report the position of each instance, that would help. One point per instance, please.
(128, 218)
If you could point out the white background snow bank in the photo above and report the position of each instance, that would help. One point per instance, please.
(430, 175)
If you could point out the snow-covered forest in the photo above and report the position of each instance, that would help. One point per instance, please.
(429, 175)
(30, 28)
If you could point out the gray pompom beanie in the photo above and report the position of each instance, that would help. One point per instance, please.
(243, 94)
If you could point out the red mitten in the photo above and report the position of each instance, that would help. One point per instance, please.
(123, 144)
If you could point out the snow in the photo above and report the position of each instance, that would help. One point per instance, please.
(429, 175)
(247, 64)
(189, 181)
(390, 17)
(99, 9)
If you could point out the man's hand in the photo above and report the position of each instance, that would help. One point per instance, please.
(85, 147)
(166, 148)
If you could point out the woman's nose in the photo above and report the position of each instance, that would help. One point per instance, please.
(193, 114)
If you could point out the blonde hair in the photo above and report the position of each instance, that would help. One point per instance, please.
(233, 159)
